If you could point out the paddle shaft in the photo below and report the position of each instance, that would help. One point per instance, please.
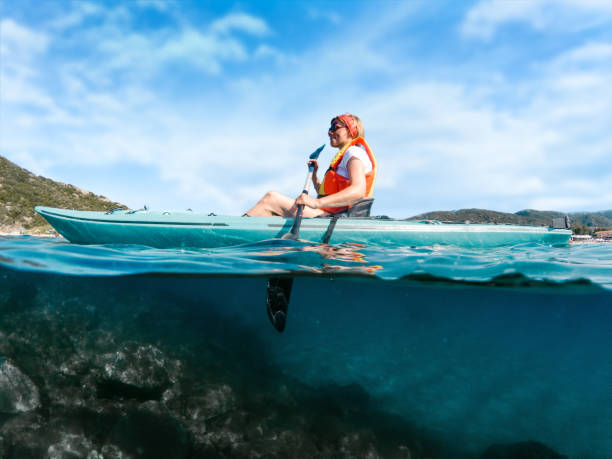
(295, 229)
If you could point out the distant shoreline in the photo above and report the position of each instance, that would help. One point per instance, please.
(17, 233)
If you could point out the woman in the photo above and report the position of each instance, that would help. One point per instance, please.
(350, 177)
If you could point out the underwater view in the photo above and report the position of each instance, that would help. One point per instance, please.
(120, 351)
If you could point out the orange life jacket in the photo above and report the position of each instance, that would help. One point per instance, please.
(334, 182)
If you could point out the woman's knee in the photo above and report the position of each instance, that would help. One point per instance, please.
(271, 196)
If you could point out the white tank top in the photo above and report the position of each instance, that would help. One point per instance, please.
(354, 151)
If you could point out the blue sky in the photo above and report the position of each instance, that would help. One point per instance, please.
(504, 105)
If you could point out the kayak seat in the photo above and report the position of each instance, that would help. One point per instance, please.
(562, 223)
(359, 208)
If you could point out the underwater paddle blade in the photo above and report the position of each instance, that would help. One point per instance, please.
(279, 288)
(278, 294)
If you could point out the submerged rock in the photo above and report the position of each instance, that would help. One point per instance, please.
(73, 447)
(136, 371)
(216, 401)
(26, 436)
(150, 432)
(113, 452)
(18, 394)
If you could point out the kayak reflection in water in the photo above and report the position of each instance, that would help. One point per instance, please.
(350, 177)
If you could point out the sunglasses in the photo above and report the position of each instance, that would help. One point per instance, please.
(334, 127)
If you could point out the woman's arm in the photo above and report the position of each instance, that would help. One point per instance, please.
(355, 191)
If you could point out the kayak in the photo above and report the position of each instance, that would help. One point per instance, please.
(190, 229)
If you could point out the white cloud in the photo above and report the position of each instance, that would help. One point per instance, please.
(268, 52)
(79, 12)
(594, 51)
(144, 55)
(204, 51)
(596, 55)
(18, 41)
(580, 81)
(459, 143)
(325, 14)
(240, 22)
(21, 91)
(483, 20)
(573, 200)
(20, 48)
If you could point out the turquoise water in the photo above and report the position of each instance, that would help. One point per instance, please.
(470, 347)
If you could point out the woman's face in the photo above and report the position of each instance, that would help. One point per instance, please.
(338, 134)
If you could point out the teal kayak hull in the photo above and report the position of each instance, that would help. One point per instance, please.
(189, 229)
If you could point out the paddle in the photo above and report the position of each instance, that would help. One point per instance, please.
(279, 288)
(295, 229)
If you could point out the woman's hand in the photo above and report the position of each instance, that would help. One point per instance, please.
(314, 164)
(309, 201)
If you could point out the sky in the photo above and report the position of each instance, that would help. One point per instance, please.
(176, 104)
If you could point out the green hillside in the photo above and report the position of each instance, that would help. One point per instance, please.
(582, 222)
(20, 191)
(487, 216)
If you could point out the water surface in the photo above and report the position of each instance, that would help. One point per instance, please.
(469, 347)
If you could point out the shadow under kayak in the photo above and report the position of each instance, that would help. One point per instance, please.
(189, 229)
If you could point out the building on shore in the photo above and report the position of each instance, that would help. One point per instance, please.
(605, 235)
(581, 238)
(600, 236)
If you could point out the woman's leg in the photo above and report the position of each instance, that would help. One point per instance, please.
(275, 203)
(272, 203)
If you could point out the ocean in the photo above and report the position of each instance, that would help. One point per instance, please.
(419, 352)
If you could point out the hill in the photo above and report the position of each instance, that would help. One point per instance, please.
(20, 191)
(582, 222)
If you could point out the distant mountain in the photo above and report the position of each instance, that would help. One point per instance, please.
(593, 219)
(607, 213)
(20, 191)
(582, 222)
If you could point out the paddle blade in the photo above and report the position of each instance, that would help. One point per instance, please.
(278, 294)
(315, 154)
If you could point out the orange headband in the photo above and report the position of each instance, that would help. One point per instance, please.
(350, 124)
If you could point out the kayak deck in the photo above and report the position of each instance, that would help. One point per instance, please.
(189, 229)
